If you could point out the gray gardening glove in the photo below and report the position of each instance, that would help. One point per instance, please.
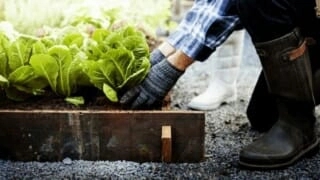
(151, 92)
(156, 56)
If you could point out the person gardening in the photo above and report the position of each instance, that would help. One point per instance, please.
(287, 73)
(205, 27)
(196, 38)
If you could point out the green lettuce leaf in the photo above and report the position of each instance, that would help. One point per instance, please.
(117, 70)
(59, 68)
(63, 57)
(73, 39)
(25, 79)
(47, 67)
(4, 81)
(39, 48)
(4, 46)
(19, 52)
(77, 101)
(110, 93)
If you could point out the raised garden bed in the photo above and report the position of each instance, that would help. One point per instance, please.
(33, 131)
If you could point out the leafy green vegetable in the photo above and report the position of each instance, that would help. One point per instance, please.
(73, 39)
(63, 59)
(39, 48)
(16, 95)
(19, 52)
(17, 77)
(111, 59)
(123, 65)
(4, 81)
(46, 66)
(59, 68)
(75, 100)
(4, 46)
(110, 93)
(94, 22)
(28, 16)
(24, 79)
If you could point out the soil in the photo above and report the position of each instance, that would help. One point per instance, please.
(93, 100)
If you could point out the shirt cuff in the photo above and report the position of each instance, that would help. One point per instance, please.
(189, 45)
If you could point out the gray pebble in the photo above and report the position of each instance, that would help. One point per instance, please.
(67, 161)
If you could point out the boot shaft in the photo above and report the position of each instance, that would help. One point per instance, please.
(287, 68)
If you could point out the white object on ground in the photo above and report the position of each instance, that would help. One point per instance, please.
(222, 84)
(67, 161)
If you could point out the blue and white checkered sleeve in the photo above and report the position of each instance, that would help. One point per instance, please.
(206, 25)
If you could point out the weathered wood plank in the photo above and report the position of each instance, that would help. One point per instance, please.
(166, 137)
(99, 135)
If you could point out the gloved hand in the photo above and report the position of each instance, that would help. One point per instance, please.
(161, 78)
(156, 56)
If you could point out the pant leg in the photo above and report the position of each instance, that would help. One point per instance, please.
(262, 112)
(269, 19)
(315, 64)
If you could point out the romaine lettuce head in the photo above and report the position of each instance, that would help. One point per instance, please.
(123, 60)
(117, 70)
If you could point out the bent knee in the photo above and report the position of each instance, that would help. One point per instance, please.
(246, 8)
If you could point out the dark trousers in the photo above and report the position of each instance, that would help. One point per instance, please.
(269, 19)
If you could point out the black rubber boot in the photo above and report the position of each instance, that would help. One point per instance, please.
(287, 69)
(262, 111)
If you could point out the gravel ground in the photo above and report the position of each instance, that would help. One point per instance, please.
(227, 130)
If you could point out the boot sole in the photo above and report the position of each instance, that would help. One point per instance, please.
(308, 152)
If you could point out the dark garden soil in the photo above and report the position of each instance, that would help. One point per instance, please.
(94, 100)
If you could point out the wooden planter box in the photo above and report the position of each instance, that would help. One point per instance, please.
(52, 135)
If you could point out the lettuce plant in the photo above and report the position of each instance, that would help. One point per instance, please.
(123, 61)
(59, 68)
(4, 46)
(17, 78)
(28, 16)
(111, 60)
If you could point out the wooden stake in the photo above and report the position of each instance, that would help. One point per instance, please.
(166, 144)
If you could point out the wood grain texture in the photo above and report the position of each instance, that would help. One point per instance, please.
(166, 138)
(45, 135)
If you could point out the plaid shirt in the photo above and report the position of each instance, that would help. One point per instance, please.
(206, 25)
